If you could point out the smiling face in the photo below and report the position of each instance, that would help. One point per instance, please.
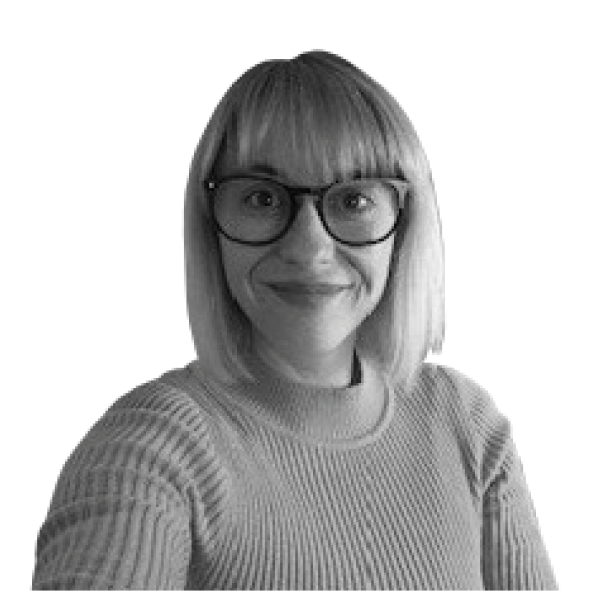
(285, 322)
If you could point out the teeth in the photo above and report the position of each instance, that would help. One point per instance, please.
(320, 290)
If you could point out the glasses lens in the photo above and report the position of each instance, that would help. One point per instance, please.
(257, 210)
(251, 209)
(361, 211)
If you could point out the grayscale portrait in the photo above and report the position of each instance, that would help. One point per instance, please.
(309, 444)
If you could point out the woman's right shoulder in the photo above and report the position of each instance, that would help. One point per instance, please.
(155, 402)
(156, 432)
(154, 416)
(144, 466)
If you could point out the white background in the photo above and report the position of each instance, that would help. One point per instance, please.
(102, 106)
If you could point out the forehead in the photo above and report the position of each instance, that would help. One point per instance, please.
(309, 146)
(276, 158)
(305, 165)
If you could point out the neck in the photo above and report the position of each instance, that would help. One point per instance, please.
(319, 368)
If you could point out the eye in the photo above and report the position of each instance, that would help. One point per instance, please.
(262, 199)
(356, 202)
(264, 202)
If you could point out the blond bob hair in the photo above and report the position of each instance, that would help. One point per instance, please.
(342, 123)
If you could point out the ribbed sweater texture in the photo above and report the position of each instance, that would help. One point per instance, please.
(186, 483)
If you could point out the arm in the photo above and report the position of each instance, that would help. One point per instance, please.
(513, 555)
(119, 518)
(513, 552)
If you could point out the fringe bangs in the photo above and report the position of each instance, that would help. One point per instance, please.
(313, 114)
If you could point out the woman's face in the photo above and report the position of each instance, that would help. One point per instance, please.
(287, 321)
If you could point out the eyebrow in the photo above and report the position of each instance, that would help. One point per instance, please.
(270, 170)
(266, 169)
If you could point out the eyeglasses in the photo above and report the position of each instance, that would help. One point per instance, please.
(257, 210)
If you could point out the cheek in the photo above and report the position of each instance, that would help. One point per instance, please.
(375, 270)
(233, 269)
(238, 264)
(383, 269)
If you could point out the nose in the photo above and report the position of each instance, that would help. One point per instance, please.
(307, 241)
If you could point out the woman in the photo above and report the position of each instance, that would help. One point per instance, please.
(310, 445)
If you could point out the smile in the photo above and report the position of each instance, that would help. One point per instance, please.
(308, 288)
(307, 295)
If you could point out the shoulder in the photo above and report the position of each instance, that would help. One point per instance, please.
(157, 408)
(459, 393)
(156, 431)
(160, 399)
(482, 430)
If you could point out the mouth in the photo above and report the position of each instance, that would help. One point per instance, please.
(308, 295)
(319, 289)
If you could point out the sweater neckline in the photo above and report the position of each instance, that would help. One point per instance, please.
(349, 416)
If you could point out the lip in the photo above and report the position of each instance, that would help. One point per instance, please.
(308, 296)
(308, 288)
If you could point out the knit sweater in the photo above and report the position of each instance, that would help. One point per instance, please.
(186, 483)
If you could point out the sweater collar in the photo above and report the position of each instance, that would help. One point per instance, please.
(314, 412)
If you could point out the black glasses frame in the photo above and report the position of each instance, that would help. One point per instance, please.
(211, 184)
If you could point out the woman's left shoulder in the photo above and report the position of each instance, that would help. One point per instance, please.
(457, 389)
(470, 412)
(467, 405)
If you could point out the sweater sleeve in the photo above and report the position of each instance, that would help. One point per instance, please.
(119, 517)
(513, 551)
(513, 554)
